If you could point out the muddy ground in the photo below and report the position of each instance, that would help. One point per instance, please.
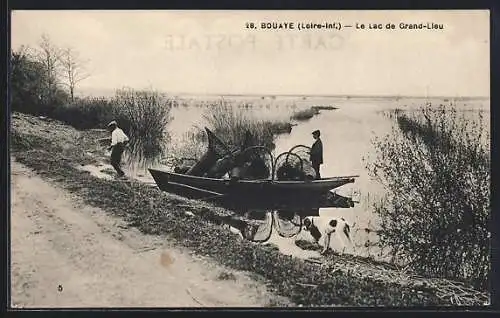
(68, 254)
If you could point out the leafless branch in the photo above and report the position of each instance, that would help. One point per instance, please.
(73, 69)
(48, 55)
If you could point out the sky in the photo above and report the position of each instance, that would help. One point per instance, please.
(213, 52)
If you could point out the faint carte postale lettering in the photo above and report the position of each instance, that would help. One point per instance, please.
(310, 41)
(207, 42)
(166, 259)
(277, 41)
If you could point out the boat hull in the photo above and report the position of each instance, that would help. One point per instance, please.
(254, 193)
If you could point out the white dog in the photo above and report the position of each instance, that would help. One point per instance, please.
(322, 228)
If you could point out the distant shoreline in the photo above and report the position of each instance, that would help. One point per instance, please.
(106, 92)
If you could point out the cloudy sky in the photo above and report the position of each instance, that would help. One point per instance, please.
(213, 51)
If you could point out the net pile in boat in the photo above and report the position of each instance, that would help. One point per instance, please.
(294, 164)
(256, 162)
(252, 162)
(217, 146)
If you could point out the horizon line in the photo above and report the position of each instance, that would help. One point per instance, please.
(337, 95)
(297, 95)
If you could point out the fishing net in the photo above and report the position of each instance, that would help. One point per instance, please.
(294, 164)
(220, 168)
(260, 232)
(247, 162)
(301, 151)
(216, 150)
(217, 146)
(255, 163)
(287, 224)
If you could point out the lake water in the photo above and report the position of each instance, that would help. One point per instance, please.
(347, 135)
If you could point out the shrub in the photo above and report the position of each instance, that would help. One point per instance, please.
(436, 168)
(86, 113)
(26, 80)
(28, 86)
(144, 116)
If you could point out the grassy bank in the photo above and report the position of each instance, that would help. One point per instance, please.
(155, 212)
(436, 215)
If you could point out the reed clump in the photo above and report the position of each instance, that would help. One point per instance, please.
(305, 114)
(144, 115)
(232, 125)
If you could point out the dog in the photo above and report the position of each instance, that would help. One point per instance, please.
(322, 228)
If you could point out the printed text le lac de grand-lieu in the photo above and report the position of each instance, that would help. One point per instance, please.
(339, 25)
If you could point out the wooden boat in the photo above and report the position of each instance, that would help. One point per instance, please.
(253, 193)
(264, 193)
(210, 186)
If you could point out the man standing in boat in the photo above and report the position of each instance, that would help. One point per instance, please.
(118, 142)
(316, 153)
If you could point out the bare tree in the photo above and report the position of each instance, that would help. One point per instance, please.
(49, 56)
(73, 68)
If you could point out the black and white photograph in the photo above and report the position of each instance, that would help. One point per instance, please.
(246, 158)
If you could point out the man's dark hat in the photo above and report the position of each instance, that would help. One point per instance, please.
(316, 132)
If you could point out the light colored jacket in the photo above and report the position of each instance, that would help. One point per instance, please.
(118, 136)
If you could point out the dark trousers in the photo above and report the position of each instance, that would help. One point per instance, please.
(315, 166)
(116, 158)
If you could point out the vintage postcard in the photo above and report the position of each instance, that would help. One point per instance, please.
(250, 158)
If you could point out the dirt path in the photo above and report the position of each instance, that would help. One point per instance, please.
(67, 254)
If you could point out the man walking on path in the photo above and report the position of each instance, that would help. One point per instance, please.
(316, 154)
(118, 142)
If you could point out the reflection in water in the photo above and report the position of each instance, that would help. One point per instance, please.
(346, 134)
(285, 224)
(285, 230)
(260, 233)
